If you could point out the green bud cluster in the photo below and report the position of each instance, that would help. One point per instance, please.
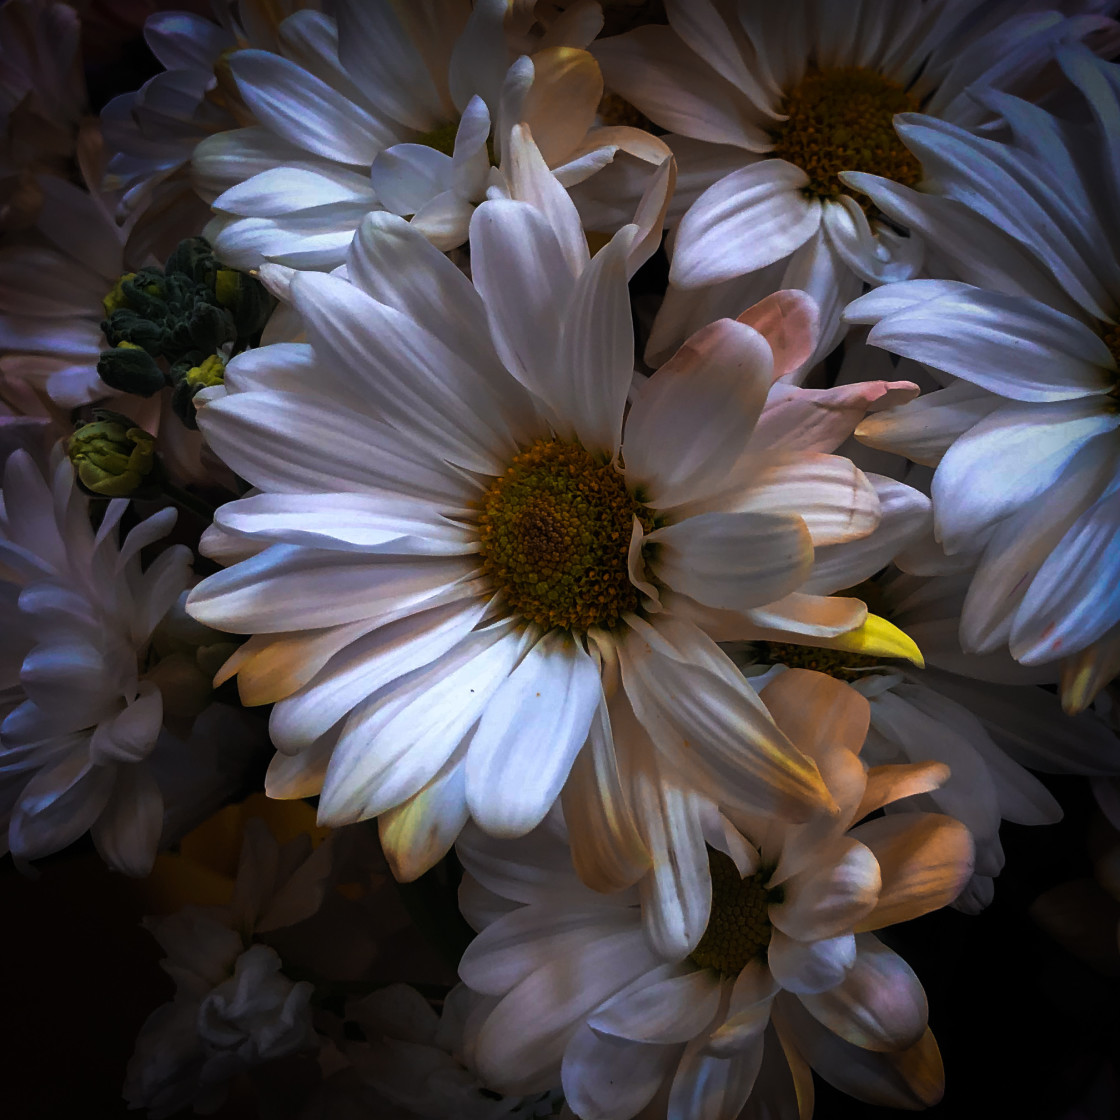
(165, 323)
(113, 458)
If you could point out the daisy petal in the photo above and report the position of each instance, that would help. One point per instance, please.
(733, 560)
(418, 833)
(926, 859)
(715, 383)
(529, 734)
(879, 1005)
(749, 219)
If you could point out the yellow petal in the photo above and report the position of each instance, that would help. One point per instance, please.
(879, 638)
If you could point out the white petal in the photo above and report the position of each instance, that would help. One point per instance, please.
(1073, 599)
(522, 1041)
(417, 834)
(408, 374)
(596, 359)
(879, 1005)
(733, 560)
(520, 272)
(749, 219)
(529, 734)
(128, 829)
(347, 522)
(393, 745)
(670, 1009)
(716, 383)
(367, 664)
(407, 176)
(290, 588)
(831, 897)
(711, 722)
(1015, 347)
(1008, 460)
(709, 1088)
(282, 190)
(810, 966)
(385, 62)
(306, 111)
(610, 1076)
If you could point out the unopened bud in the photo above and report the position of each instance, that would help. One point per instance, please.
(192, 257)
(112, 456)
(130, 369)
(246, 299)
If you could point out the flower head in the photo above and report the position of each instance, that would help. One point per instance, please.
(784, 972)
(461, 549)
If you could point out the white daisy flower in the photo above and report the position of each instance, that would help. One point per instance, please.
(785, 972)
(458, 546)
(406, 110)
(1025, 443)
(81, 716)
(767, 106)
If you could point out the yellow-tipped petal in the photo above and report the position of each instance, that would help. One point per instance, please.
(1085, 673)
(879, 638)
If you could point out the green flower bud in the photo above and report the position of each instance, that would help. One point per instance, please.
(192, 257)
(210, 327)
(130, 369)
(246, 298)
(125, 326)
(112, 456)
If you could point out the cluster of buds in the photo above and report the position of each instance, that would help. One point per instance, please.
(176, 327)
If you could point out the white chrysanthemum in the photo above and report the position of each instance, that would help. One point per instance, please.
(1025, 444)
(783, 972)
(81, 718)
(233, 1009)
(459, 554)
(403, 109)
(769, 104)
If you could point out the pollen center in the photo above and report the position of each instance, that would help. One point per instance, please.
(555, 534)
(837, 663)
(738, 928)
(841, 119)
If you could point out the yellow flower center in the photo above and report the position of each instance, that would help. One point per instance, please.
(555, 534)
(842, 119)
(738, 929)
(837, 663)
